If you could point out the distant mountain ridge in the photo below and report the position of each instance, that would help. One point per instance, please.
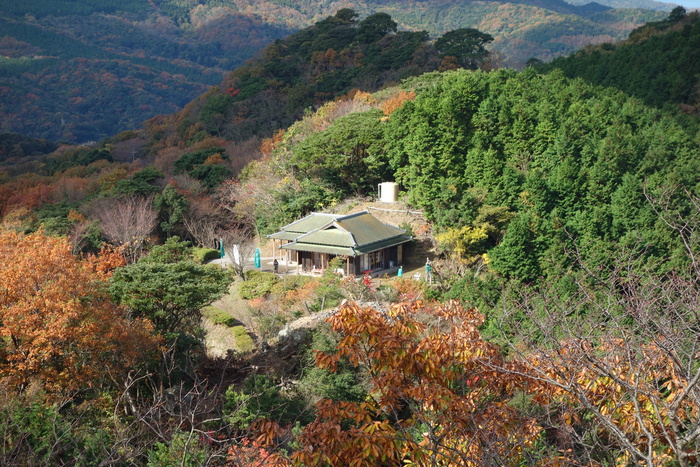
(645, 4)
(81, 71)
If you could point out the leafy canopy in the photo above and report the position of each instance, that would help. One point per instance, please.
(168, 287)
(58, 326)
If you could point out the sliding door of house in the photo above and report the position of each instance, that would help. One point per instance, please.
(306, 261)
(373, 261)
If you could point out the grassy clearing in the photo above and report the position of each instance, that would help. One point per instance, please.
(227, 323)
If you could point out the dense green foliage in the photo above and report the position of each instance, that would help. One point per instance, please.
(257, 284)
(206, 166)
(168, 287)
(205, 255)
(659, 63)
(15, 145)
(218, 316)
(171, 206)
(183, 449)
(143, 183)
(244, 343)
(467, 45)
(260, 398)
(81, 156)
(345, 384)
(35, 433)
(517, 165)
(571, 160)
(346, 156)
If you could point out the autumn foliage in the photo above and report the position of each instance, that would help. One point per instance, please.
(58, 327)
(641, 403)
(249, 453)
(396, 101)
(439, 393)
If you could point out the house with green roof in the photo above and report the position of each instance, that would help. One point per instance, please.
(363, 241)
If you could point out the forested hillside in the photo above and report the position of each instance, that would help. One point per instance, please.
(315, 65)
(564, 214)
(512, 168)
(183, 159)
(76, 71)
(646, 4)
(83, 71)
(560, 217)
(659, 63)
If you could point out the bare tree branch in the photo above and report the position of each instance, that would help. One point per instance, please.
(242, 241)
(127, 221)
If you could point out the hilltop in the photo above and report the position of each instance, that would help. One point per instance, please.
(659, 63)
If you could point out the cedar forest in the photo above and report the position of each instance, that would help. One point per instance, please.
(560, 207)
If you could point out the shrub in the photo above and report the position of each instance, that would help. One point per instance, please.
(408, 289)
(295, 299)
(269, 322)
(35, 433)
(261, 397)
(244, 342)
(257, 284)
(218, 316)
(343, 384)
(290, 283)
(329, 293)
(204, 255)
(408, 228)
(184, 450)
(190, 160)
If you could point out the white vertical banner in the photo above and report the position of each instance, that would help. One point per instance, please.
(237, 255)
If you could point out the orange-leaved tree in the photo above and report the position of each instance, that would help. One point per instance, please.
(439, 393)
(618, 357)
(635, 403)
(58, 327)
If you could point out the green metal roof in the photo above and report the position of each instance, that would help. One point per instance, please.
(344, 251)
(367, 229)
(348, 235)
(309, 223)
(383, 244)
(291, 236)
(331, 235)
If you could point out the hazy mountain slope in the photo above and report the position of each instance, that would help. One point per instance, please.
(645, 4)
(80, 72)
(164, 53)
